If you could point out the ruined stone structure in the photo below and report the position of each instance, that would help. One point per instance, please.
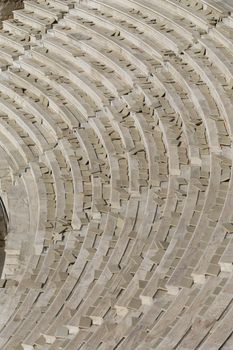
(116, 128)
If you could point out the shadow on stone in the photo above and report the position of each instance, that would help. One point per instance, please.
(3, 233)
(7, 6)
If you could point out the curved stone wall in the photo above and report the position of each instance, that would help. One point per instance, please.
(116, 156)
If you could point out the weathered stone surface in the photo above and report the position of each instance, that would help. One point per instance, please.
(7, 6)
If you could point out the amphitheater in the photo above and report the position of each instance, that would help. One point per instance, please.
(116, 175)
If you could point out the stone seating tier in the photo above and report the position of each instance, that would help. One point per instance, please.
(116, 163)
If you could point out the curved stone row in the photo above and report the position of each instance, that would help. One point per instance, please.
(116, 145)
